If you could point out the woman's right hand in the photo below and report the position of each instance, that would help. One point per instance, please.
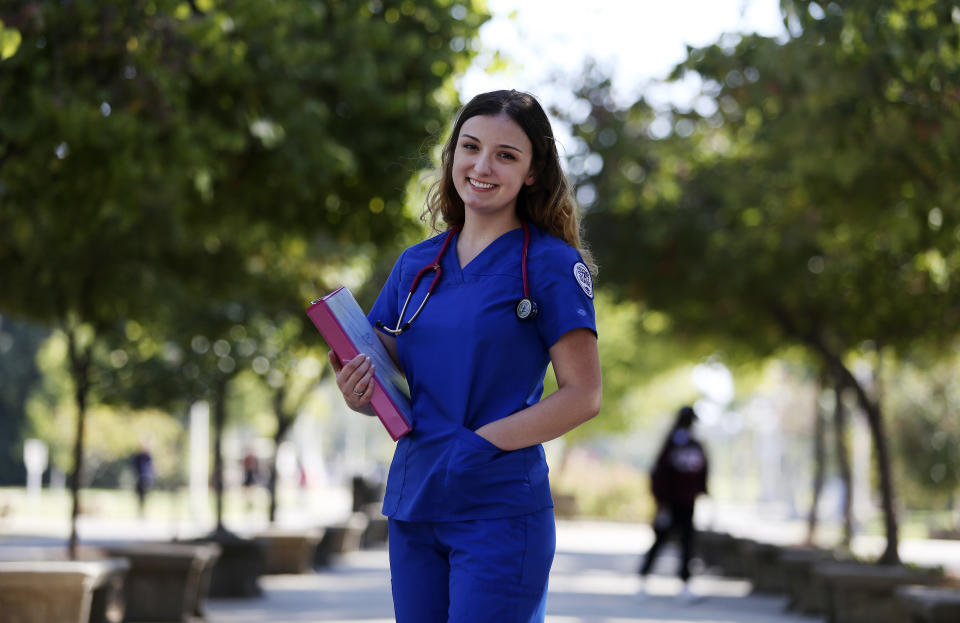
(355, 380)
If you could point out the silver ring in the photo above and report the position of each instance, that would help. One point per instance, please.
(358, 393)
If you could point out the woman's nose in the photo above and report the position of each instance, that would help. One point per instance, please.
(482, 163)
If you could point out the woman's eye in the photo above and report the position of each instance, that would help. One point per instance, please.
(506, 155)
(469, 146)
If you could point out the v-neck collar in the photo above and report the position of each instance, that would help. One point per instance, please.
(485, 251)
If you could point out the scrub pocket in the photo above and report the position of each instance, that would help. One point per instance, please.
(481, 475)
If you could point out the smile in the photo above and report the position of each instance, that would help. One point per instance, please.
(480, 185)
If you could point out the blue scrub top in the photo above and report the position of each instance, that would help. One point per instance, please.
(470, 361)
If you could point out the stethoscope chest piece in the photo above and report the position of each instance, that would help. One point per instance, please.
(526, 309)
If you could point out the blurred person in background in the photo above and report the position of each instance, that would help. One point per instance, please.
(679, 476)
(251, 475)
(144, 475)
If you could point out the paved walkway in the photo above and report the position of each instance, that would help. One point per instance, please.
(593, 581)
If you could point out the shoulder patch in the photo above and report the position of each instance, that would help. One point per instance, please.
(584, 279)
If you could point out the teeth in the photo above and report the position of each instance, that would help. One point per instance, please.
(480, 184)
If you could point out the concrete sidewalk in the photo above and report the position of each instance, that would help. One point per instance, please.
(593, 581)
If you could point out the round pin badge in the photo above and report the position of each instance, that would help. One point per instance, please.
(584, 279)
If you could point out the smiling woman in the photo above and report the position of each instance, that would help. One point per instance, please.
(472, 533)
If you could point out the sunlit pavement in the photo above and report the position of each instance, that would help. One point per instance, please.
(593, 581)
(593, 578)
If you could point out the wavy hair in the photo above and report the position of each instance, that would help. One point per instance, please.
(548, 203)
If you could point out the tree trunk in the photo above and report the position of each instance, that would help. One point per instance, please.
(283, 425)
(955, 507)
(874, 417)
(819, 463)
(219, 418)
(843, 463)
(878, 435)
(80, 372)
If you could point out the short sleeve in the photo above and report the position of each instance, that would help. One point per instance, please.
(385, 309)
(563, 292)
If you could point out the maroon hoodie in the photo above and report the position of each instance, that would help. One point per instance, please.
(680, 473)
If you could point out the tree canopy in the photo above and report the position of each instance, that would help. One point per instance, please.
(811, 197)
(156, 151)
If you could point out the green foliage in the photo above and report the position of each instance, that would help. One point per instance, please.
(171, 171)
(605, 489)
(51, 417)
(162, 141)
(812, 197)
(926, 430)
(810, 201)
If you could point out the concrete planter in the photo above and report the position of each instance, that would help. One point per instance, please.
(366, 491)
(928, 604)
(290, 551)
(761, 562)
(164, 582)
(795, 568)
(64, 591)
(340, 538)
(237, 570)
(375, 533)
(864, 593)
(711, 546)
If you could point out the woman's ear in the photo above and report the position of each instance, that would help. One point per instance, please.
(531, 178)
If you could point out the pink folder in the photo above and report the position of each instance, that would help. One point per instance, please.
(344, 326)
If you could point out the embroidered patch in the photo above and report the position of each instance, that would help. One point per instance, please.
(582, 274)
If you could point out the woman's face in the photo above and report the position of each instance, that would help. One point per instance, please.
(491, 163)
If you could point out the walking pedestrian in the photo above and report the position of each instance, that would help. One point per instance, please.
(144, 475)
(679, 476)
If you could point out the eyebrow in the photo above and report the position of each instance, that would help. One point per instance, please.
(517, 149)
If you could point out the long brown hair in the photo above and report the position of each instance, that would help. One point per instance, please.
(548, 203)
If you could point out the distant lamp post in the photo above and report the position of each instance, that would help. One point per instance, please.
(35, 459)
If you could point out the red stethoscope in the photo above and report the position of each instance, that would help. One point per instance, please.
(525, 309)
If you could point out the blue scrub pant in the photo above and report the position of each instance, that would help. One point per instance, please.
(478, 571)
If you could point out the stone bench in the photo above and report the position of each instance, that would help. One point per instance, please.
(62, 591)
(167, 581)
(928, 604)
(856, 592)
(290, 551)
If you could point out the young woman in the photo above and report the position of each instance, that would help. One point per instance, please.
(472, 533)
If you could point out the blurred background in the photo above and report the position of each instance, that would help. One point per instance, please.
(770, 189)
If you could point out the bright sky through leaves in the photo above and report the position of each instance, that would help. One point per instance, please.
(632, 40)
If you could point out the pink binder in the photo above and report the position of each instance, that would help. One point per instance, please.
(346, 330)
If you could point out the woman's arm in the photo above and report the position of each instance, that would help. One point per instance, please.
(576, 363)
